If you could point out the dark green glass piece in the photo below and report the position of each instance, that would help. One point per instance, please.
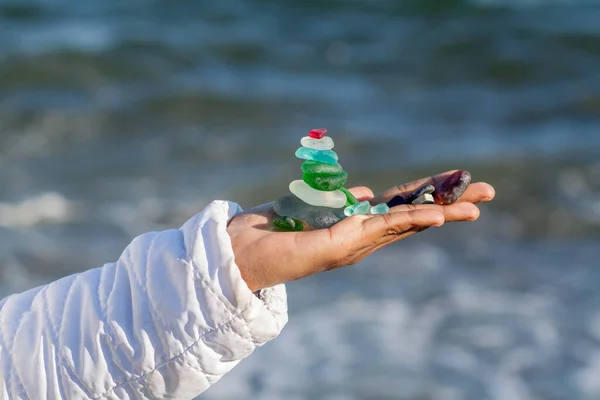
(325, 182)
(288, 224)
(315, 167)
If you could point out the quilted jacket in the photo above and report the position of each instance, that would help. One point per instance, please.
(167, 320)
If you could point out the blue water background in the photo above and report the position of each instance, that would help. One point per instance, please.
(121, 117)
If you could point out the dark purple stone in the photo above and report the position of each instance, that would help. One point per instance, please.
(450, 190)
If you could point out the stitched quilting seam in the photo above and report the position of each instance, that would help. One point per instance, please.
(58, 351)
(141, 282)
(206, 285)
(141, 376)
(8, 360)
(20, 387)
(70, 367)
(53, 330)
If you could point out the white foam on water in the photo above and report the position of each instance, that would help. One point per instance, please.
(49, 207)
(151, 213)
(594, 326)
(481, 300)
(88, 36)
(485, 339)
(448, 393)
(490, 337)
(458, 358)
(403, 339)
(519, 3)
(507, 384)
(587, 378)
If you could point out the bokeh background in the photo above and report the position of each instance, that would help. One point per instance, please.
(120, 117)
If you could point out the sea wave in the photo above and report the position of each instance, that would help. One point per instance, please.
(45, 208)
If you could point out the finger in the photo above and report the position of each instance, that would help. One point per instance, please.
(397, 223)
(362, 193)
(456, 212)
(410, 187)
(478, 192)
(451, 186)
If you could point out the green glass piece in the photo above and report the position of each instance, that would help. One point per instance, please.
(350, 199)
(380, 209)
(325, 182)
(360, 208)
(288, 224)
(315, 167)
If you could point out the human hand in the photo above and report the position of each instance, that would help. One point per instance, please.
(266, 257)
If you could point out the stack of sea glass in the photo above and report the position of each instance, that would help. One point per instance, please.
(319, 199)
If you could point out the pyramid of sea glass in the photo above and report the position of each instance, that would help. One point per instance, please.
(319, 199)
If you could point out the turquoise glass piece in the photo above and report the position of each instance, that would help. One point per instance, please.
(359, 208)
(380, 209)
(324, 156)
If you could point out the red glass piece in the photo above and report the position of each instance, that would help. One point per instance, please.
(317, 133)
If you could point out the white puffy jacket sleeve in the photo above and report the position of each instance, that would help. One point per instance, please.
(167, 320)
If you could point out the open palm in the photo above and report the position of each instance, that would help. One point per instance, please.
(266, 257)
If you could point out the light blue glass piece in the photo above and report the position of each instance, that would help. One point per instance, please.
(359, 208)
(324, 156)
(380, 209)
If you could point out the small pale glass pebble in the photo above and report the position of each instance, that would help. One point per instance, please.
(427, 189)
(380, 209)
(333, 199)
(318, 144)
(424, 199)
(324, 156)
(359, 208)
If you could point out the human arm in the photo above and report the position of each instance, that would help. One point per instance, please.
(166, 320)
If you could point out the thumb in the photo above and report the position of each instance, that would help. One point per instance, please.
(356, 237)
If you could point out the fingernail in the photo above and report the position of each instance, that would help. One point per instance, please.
(450, 190)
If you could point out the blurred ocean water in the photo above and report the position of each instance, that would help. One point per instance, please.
(121, 117)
